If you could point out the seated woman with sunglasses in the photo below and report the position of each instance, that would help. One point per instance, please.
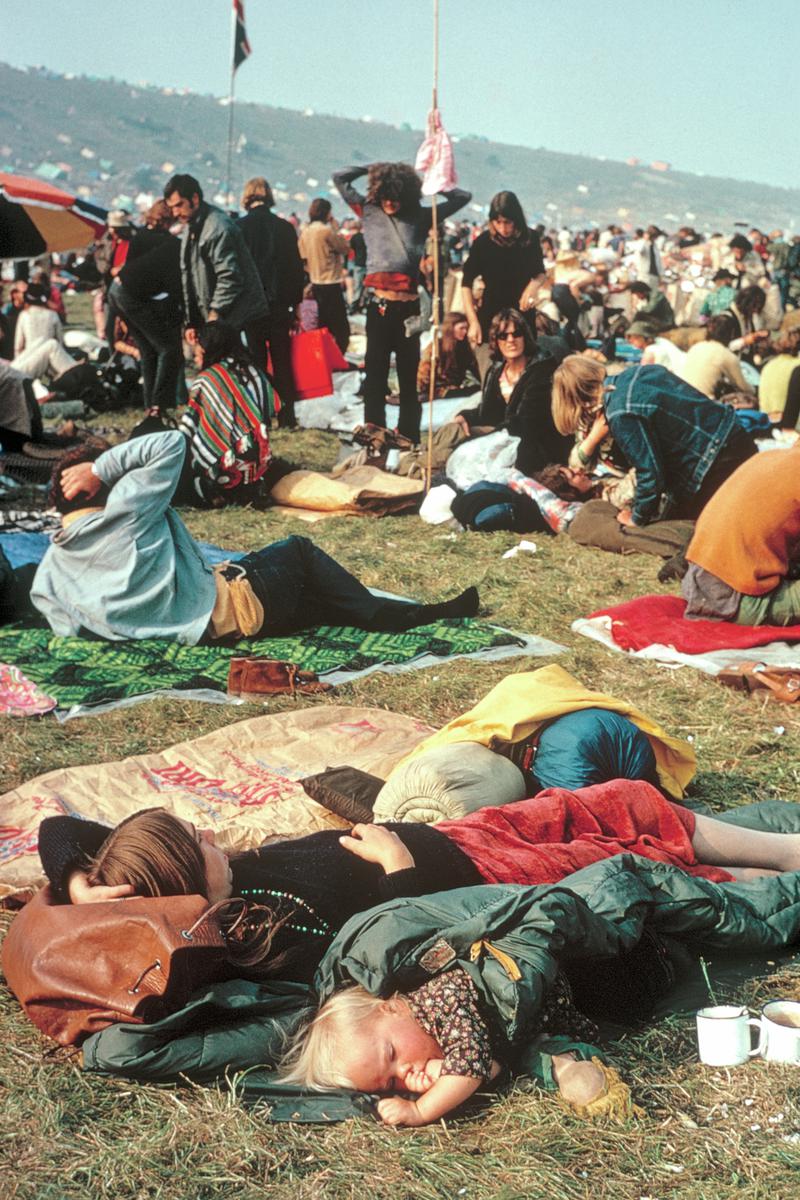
(517, 394)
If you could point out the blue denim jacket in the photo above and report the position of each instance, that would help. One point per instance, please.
(668, 431)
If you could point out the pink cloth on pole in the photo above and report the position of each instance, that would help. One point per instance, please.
(435, 158)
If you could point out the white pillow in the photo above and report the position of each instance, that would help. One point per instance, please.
(437, 507)
(448, 782)
(491, 457)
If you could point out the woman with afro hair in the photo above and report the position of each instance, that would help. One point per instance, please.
(395, 228)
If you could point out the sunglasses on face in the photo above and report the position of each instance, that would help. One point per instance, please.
(510, 335)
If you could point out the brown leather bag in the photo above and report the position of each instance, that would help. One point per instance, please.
(76, 968)
(255, 676)
(782, 682)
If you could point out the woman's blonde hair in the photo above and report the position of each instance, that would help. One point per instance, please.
(314, 1057)
(577, 389)
(155, 853)
(257, 191)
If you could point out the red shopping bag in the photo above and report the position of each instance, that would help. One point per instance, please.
(314, 356)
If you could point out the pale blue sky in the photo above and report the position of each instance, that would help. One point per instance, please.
(708, 85)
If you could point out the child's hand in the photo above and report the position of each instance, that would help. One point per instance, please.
(423, 1080)
(396, 1111)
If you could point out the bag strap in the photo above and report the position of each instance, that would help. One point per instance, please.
(205, 917)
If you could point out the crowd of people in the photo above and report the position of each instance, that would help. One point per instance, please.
(715, 312)
(633, 365)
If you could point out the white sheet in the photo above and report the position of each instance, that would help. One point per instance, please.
(343, 410)
(777, 654)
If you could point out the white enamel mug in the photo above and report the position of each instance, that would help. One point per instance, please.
(780, 1031)
(723, 1035)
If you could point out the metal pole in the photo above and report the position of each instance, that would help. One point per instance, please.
(230, 110)
(436, 280)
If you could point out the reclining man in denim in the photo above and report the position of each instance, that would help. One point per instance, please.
(125, 566)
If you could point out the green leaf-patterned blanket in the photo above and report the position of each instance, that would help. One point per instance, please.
(80, 671)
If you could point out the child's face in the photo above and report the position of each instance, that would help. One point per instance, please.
(393, 1053)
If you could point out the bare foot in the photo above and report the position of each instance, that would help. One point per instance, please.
(578, 1082)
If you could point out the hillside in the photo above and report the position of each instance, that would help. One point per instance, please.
(110, 138)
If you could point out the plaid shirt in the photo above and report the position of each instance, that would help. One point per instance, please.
(668, 431)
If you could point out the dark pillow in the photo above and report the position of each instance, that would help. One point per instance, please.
(486, 507)
(346, 791)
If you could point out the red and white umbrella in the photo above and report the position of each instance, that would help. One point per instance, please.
(37, 218)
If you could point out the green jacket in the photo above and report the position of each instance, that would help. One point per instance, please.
(601, 911)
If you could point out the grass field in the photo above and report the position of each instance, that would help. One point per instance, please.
(707, 1134)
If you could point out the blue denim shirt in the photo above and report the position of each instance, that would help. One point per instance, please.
(668, 431)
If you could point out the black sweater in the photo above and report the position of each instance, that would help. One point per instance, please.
(153, 266)
(315, 869)
(527, 415)
(273, 245)
(506, 271)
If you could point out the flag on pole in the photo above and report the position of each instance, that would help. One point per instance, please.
(241, 46)
(435, 158)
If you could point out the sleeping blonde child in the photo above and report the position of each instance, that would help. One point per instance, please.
(435, 1044)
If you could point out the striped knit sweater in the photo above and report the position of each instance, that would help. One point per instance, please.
(227, 425)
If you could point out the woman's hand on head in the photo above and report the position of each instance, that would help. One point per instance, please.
(530, 294)
(78, 479)
(82, 892)
(596, 435)
(377, 844)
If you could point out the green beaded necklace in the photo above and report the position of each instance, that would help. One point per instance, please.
(324, 931)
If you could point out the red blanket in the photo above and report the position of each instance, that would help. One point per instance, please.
(659, 619)
(546, 838)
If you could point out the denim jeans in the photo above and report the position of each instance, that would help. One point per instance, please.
(358, 288)
(301, 586)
